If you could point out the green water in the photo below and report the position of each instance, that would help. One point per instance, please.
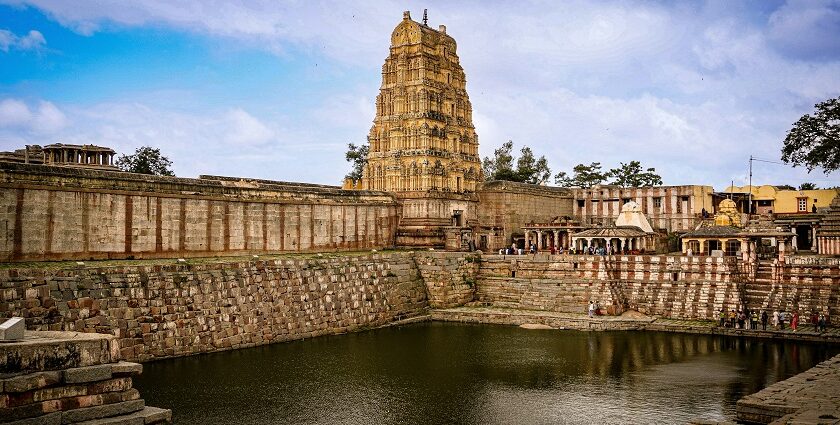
(439, 373)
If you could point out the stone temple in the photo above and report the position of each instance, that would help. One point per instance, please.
(423, 145)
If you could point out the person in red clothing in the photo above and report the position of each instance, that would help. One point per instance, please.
(795, 321)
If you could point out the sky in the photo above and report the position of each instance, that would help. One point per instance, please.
(276, 90)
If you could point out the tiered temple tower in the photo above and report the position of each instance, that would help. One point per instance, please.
(423, 145)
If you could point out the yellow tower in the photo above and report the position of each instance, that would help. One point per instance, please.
(423, 145)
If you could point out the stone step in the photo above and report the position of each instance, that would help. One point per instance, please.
(103, 411)
(149, 415)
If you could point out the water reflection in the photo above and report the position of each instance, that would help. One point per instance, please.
(458, 373)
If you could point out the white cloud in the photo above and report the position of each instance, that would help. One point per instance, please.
(807, 29)
(244, 129)
(231, 142)
(33, 40)
(43, 119)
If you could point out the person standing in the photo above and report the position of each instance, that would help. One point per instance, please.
(754, 320)
(764, 320)
(794, 322)
(776, 319)
(733, 318)
(815, 320)
(822, 323)
(782, 320)
(722, 318)
(591, 309)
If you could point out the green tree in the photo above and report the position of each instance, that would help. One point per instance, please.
(814, 140)
(146, 160)
(808, 186)
(358, 156)
(529, 169)
(632, 175)
(584, 176)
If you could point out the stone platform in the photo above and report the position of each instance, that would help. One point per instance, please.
(504, 316)
(810, 398)
(70, 377)
(582, 322)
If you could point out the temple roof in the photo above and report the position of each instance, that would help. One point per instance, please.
(611, 232)
(713, 232)
(830, 224)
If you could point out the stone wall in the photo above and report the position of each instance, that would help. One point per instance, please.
(665, 286)
(796, 287)
(669, 208)
(505, 206)
(450, 277)
(685, 287)
(57, 213)
(179, 309)
(174, 310)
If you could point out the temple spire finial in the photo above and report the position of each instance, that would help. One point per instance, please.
(425, 17)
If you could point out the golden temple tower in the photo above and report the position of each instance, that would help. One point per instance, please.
(423, 145)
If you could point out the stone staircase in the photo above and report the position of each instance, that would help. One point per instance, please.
(762, 288)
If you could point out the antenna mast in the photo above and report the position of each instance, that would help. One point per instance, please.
(425, 18)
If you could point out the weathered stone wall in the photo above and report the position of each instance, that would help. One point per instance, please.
(685, 287)
(165, 311)
(669, 208)
(450, 277)
(796, 287)
(505, 206)
(57, 213)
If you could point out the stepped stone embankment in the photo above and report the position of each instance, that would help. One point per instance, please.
(166, 309)
(160, 311)
(70, 377)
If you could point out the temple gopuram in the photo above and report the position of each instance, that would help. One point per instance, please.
(423, 145)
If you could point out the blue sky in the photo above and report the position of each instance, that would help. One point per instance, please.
(277, 89)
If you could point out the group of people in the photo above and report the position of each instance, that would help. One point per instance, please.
(589, 250)
(750, 320)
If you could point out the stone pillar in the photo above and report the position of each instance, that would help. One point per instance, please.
(781, 243)
(539, 240)
(556, 240)
(745, 250)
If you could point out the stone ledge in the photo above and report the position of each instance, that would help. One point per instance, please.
(104, 411)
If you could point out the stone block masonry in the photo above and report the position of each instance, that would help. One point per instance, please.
(70, 377)
(159, 311)
(450, 277)
(685, 287)
(175, 310)
(57, 213)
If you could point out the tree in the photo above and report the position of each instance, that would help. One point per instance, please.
(358, 156)
(584, 176)
(146, 160)
(632, 175)
(814, 141)
(808, 186)
(529, 169)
